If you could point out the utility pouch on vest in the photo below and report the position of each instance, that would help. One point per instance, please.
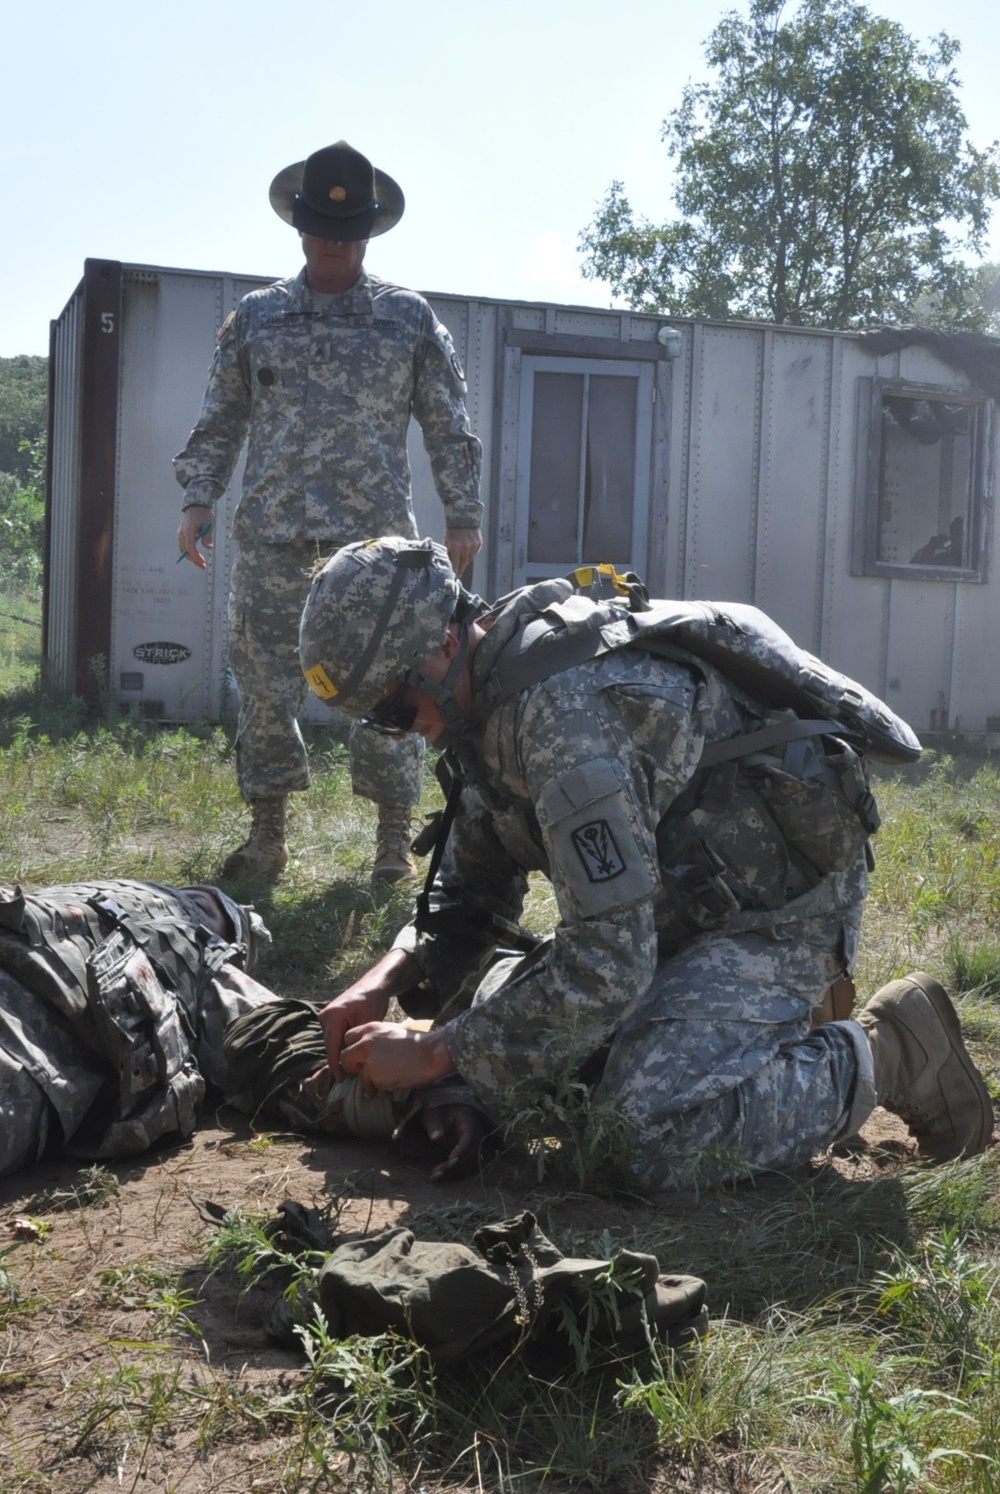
(159, 1087)
(817, 793)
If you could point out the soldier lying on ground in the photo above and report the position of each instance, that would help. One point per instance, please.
(114, 997)
(123, 1002)
(708, 854)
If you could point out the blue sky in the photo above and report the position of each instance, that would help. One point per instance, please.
(149, 133)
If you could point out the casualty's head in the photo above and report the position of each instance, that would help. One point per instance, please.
(375, 612)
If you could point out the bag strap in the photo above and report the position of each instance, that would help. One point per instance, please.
(764, 739)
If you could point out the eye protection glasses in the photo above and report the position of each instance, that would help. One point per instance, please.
(392, 715)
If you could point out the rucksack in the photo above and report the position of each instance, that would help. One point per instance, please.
(597, 610)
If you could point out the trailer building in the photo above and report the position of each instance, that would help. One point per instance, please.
(846, 492)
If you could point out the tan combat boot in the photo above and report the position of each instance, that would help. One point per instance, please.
(922, 1069)
(393, 861)
(264, 853)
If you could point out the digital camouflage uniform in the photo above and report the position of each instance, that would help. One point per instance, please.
(114, 998)
(691, 944)
(322, 387)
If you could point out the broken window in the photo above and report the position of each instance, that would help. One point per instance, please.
(926, 483)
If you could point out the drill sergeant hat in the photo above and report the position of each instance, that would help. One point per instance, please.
(375, 611)
(336, 193)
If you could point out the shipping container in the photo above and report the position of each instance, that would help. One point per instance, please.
(849, 495)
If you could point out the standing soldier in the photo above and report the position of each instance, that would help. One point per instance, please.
(320, 374)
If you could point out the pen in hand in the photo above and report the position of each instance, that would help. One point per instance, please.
(200, 533)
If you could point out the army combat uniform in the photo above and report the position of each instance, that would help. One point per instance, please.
(693, 939)
(114, 998)
(322, 387)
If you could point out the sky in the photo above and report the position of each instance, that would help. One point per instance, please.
(149, 133)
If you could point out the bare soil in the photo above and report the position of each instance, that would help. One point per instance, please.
(71, 1336)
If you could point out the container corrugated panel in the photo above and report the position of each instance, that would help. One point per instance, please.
(758, 465)
(64, 476)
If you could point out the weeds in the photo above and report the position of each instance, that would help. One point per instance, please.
(148, 1287)
(856, 1335)
(94, 1187)
(893, 1434)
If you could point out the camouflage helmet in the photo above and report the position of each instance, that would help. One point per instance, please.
(374, 612)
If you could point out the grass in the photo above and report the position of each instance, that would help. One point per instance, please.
(855, 1343)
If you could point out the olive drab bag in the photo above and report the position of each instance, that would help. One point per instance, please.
(511, 1288)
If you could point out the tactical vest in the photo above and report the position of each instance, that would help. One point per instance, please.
(126, 964)
(769, 812)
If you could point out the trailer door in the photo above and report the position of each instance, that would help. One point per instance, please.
(584, 436)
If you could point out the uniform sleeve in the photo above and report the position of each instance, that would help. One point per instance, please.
(478, 884)
(552, 1011)
(206, 464)
(439, 409)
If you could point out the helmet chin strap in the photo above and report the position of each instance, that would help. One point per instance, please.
(441, 691)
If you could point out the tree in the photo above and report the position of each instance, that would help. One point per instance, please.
(823, 176)
(24, 393)
(22, 524)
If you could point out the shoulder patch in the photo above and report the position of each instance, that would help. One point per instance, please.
(601, 856)
(598, 851)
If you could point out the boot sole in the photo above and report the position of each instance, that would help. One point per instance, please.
(945, 1009)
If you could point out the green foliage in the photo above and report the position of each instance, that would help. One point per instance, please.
(22, 519)
(813, 176)
(893, 1433)
(24, 393)
(943, 1300)
(93, 1187)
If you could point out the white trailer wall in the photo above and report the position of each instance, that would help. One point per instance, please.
(743, 466)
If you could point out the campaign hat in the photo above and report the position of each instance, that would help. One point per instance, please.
(336, 193)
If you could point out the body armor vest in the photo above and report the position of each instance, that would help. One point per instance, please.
(126, 964)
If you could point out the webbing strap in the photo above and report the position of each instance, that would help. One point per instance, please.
(538, 652)
(764, 739)
(406, 560)
(535, 653)
(440, 842)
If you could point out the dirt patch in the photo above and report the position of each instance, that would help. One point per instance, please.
(111, 1307)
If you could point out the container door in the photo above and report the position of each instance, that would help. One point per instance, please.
(583, 465)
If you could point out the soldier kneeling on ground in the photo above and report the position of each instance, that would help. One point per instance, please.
(694, 787)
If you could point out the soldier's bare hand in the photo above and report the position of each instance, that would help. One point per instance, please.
(462, 546)
(387, 1056)
(193, 520)
(353, 1009)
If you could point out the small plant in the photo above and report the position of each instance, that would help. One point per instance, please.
(366, 1402)
(942, 1300)
(10, 1291)
(145, 1286)
(251, 1246)
(572, 1140)
(94, 1187)
(893, 1435)
(972, 966)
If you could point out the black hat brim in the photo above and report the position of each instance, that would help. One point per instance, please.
(388, 194)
